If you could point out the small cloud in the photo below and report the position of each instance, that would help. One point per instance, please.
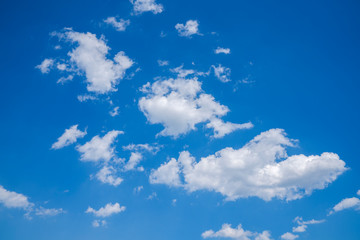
(222, 50)
(190, 28)
(99, 223)
(46, 65)
(163, 63)
(222, 73)
(120, 25)
(152, 196)
(141, 6)
(114, 112)
(69, 137)
(106, 211)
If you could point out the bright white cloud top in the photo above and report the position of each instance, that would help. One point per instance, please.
(89, 58)
(261, 169)
(180, 104)
(141, 6)
(106, 211)
(120, 25)
(222, 50)
(190, 28)
(69, 137)
(238, 233)
(99, 148)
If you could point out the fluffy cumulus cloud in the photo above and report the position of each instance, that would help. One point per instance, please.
(190, 28)
(89, 58)
(141, 6)
(70, 136)
(238, 233)
(180, 104)
(99, 148)
(107, 174)
(261, 169)
(222, 73)
(222, 50)
(119, 24)
(46, 65)
(347, 203)
(108, 210)
(289, 236)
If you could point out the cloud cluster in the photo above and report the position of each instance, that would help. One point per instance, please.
(17, 200)
(238, 233)
(141, 6)
(261, 169)
(190, 28)
(347, 203)
(89, 58)
(180, 104)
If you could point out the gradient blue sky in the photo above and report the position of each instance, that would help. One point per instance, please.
(294, 65)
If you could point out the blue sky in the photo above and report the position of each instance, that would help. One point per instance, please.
(179, 120)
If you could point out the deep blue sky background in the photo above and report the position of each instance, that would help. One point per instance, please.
(306, 70)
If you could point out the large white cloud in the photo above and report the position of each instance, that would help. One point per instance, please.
(70, 136)
(89, 58)
(141, 6)
(180, 104)
(261, 169)
(99, 148)
(238, 233)
(108, 210)
(190, 28)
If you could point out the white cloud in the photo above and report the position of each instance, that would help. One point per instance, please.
(86, 97)
(138, 189)
(141, 6)
(180, 104)
(17, 200)
(238, 233)
(99, 148)
(347, 203)
(261, 169)
(181, 72)
(106, 211)
(302, 225)
(99, 223)
(63, 80)
(46, 65)
(90, 57)
(163, 63)
(289, 236)
(143, 147)
(190, 28)
(222, 50)
(14, 200)
(222, 73)
(120, 25)
(134, 160)
(114, 112)
(358, 193)
(107, 175)
(48, 211)
(70, 136)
